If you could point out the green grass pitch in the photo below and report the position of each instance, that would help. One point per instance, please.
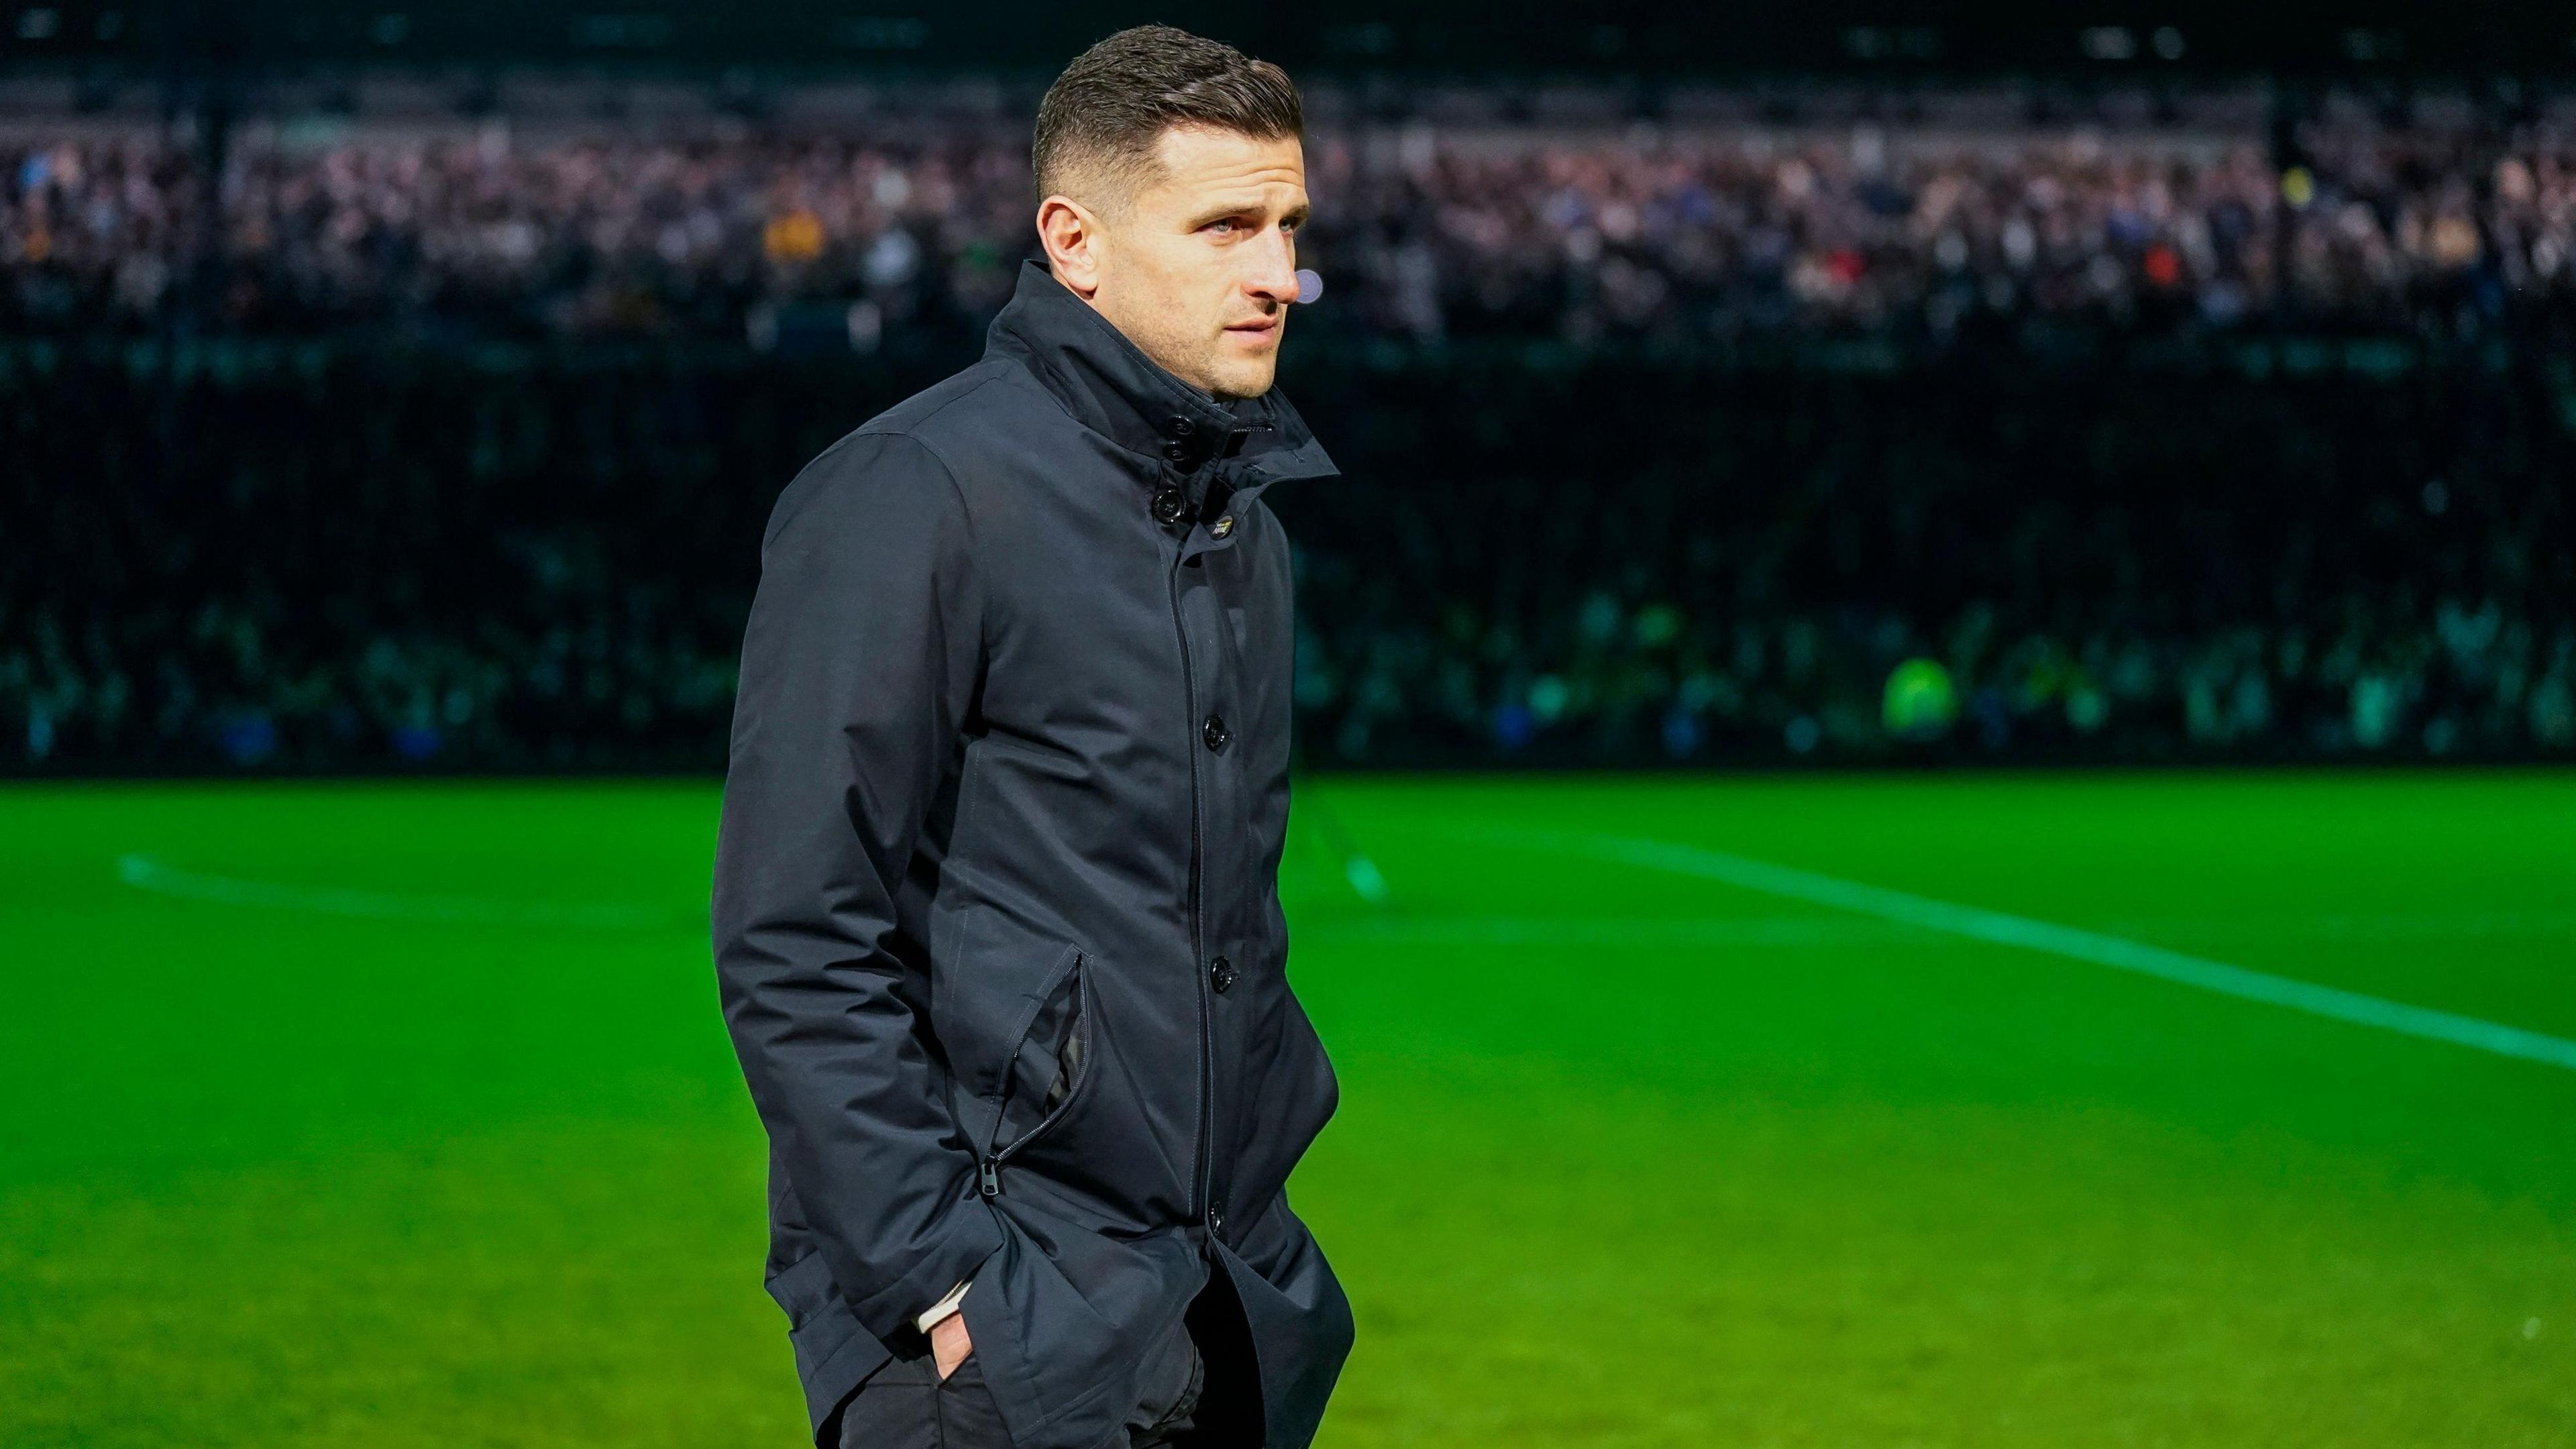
(394, 1115)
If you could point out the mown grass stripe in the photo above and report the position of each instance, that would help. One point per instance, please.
(145, 873)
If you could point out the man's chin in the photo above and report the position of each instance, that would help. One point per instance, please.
(1243, 381)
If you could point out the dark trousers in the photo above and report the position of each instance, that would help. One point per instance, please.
(906, 1404)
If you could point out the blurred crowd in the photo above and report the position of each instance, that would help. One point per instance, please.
(376, 562)
(1585, 668)
(1668, 235)
(305, 543)
(1661, 564)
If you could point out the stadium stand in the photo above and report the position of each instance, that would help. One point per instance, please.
(452, 414)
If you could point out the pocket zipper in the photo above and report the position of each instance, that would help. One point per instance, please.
(988, 1173)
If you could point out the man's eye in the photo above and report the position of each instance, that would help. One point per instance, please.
(1222, 223)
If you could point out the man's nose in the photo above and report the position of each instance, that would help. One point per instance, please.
(1273, 274)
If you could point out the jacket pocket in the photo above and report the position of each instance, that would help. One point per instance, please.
(1050, 1063)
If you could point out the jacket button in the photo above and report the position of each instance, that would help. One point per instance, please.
(1167, 504)
(1216, 1216)
(1221, 975)
(1177, 451)
(1221, 527)
(1214, 732)
(1178, 426)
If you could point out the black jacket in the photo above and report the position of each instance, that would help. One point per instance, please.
(996, 911)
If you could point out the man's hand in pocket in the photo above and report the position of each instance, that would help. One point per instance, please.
(949, 1344)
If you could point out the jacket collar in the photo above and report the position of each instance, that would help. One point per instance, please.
(1111, 387)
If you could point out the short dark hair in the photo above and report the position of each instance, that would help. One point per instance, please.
(1099, 122)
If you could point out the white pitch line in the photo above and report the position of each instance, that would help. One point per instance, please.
(2380, 926)
(2092, 947)
(144, 873)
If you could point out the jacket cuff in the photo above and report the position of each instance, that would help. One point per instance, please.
(946, 1305)
(967, 1238)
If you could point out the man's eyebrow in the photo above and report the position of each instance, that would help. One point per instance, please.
(1218, 211)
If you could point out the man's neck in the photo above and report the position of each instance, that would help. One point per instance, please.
(1207, 394)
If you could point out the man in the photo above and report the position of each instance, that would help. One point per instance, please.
(996, 912)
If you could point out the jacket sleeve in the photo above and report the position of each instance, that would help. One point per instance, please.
(858, 665)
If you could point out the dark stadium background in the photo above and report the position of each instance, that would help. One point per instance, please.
(1814, 477)
(1677, 467)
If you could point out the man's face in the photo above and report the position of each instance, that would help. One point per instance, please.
(1200, 266)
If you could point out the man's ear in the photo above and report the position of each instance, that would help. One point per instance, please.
(1071, 235)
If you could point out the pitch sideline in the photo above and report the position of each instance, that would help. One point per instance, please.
(2047, 938)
